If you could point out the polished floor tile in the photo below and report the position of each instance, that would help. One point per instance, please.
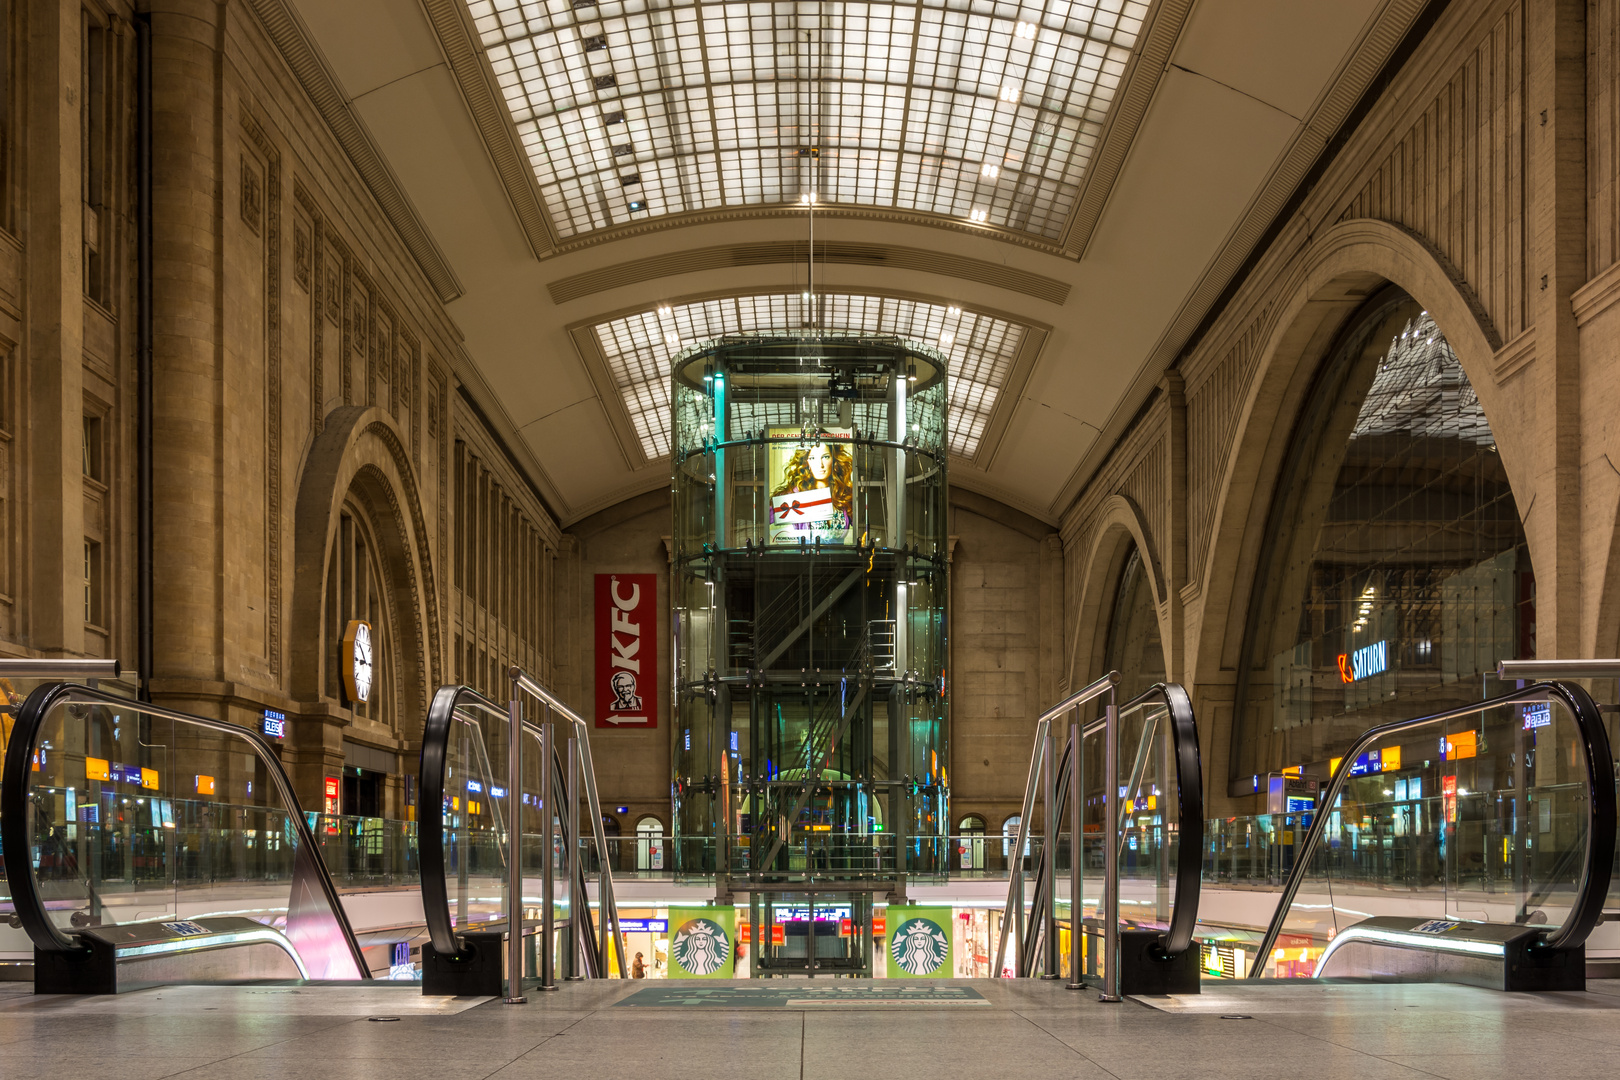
(1027, 1029)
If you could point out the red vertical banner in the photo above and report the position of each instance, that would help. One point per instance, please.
(626, 650)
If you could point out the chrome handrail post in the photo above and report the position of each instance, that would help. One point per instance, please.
(1049, 858)
(1076, 857)
(514, 850)
(548, 854)
(1111, 854)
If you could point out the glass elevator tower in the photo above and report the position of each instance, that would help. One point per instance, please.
(809, 588)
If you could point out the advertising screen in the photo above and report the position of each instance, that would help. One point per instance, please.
(812, 486)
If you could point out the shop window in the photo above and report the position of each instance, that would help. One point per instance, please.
(1394, 572)
(1134, 649)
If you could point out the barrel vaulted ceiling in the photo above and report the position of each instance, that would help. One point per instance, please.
(1053, 192)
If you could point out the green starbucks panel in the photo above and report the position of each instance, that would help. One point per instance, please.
(811, 715)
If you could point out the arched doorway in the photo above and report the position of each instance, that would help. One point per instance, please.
(970, 843)
(649, 844)
(1394, 571)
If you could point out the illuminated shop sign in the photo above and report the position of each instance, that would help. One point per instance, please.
(275, 724)
(1464, 744)
(1364, 663)
(1372, 762)
(1537, 715)
(832, 913)
(644, 926)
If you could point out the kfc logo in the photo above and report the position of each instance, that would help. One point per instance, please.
(626, 650)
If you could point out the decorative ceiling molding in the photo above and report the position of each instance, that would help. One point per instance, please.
(665, 222)
(292, 40)
(997, 275)
(470, 67)
(1149, 61)
(1353, 82)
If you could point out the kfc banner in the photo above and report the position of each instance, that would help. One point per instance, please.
(626, 650)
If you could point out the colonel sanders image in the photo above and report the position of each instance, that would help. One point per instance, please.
(625, 698)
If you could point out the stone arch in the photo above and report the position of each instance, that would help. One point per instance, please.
(1119, 524)
(361, 455)
(1345, 266)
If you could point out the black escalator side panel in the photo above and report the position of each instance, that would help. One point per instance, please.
(478, 975)
(1526, 968)
(1142, 972)
(92, 972)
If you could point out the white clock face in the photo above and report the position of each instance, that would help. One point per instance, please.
(362, 662)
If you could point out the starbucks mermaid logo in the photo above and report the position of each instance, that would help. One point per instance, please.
(919, 946)
(700, 947)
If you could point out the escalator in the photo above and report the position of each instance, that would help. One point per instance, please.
(143, 846)
(1474, 845)
(465, 851)
(1157, 840)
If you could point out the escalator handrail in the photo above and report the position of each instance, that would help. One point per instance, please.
(441, 721)
(1190, 806)
(1189, 780)
(436, 729)
(14, 818)
(1587, 907)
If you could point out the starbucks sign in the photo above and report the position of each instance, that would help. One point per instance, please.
(700, 946)
(919, 943)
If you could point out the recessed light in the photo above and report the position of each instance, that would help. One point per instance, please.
(638, 205)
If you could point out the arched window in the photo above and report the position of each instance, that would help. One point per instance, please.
(970, 843)
(1394, 572)
(649, 844)
(355, 590)
(1134, 649)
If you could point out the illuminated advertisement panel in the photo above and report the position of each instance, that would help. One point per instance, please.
(812, 486)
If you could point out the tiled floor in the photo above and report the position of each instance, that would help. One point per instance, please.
(1029, 1029)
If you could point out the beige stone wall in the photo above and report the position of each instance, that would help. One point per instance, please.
(1482, 179)
(305, 367)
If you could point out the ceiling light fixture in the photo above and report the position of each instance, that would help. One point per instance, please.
(1026, 30)
(1009, 93)
(989, 171)
(946, 339)
(953, 311)
(977, 216)
(665, 311)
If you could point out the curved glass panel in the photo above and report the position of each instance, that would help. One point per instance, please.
(1134, 649)
(1394, 573)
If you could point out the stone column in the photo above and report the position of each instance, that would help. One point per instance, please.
(54, 568)
(187, 352)
(1555, 78)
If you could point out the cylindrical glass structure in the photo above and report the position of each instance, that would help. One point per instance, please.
(809, 592)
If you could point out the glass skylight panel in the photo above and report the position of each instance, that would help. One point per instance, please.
(629, 110)
(639, 348)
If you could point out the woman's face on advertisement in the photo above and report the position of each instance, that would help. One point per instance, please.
(820, 461)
